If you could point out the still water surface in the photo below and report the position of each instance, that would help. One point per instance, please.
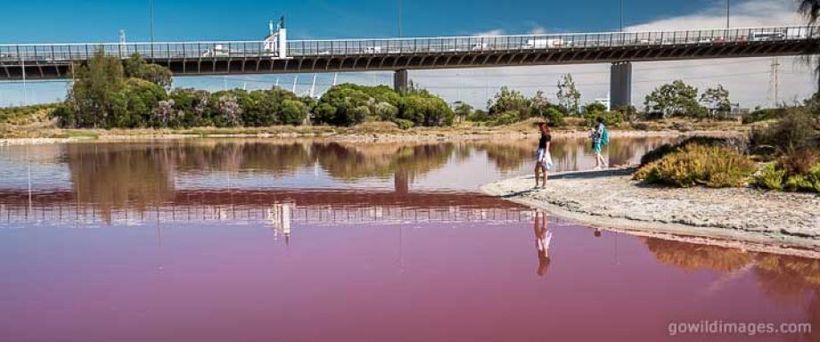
(243, 240)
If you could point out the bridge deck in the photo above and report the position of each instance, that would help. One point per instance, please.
(48, 61)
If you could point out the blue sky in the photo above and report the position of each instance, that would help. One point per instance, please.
(748, 80)
(43, 21)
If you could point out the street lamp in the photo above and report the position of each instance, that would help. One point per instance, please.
(727, 13)
(151, 25)
(399, 14)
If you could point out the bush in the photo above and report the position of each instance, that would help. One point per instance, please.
(695, 164)
(798, 170)
(505, 118)
(426, 110)
(403, 124)
(762, 114)
(770, 177)
(611, 118)
(795, 130)
(554, 116)
(666, 149)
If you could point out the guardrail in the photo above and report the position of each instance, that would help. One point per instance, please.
(57, 53)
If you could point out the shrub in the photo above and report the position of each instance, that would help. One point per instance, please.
(797, 129)
(554, 116)
(798, 170)
(770, 177)
(425, 110)
(505, 118)
(403, 124)
(611, 118)
(695, 164)
(666, 149)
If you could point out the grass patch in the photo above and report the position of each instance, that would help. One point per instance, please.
(798, 170)
(696, 164)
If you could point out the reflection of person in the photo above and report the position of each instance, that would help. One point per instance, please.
(542, 242)
(596, 233)
(543, 159)
(599, 139)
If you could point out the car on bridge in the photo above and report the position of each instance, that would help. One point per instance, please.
(767, 36)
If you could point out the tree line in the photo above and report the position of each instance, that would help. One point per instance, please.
(109, 93)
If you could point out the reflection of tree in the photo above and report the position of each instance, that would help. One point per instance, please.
(116, 176)
(793, 280)
(691, 257)
(508, 157)
(278, 159)
(786, 276)
(382, 160)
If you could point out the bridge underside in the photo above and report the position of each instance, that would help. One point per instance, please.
(45, 69)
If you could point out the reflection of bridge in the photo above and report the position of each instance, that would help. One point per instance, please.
(248, 207)
(45, 61)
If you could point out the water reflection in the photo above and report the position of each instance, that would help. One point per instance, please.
(543, 238)
(791, 280)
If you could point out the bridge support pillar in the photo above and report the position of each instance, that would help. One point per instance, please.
(400, 80)
(620, 85)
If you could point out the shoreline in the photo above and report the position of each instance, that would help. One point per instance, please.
(681, 214)
(355, 134)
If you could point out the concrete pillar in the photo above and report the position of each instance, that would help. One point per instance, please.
(400, 80)
(620, 85)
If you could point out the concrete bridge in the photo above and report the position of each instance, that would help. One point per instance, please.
(50, 61)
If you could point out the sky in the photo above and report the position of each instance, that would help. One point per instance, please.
(748, 80)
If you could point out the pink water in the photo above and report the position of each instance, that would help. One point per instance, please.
(165, 250)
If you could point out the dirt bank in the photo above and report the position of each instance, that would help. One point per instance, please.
(610, 199)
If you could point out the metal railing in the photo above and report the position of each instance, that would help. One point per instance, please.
(60, 53)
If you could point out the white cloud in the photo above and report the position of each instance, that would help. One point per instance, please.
(748, 79)
(490, 33)
(538, 30)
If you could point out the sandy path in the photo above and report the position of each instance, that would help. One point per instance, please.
(611, 199)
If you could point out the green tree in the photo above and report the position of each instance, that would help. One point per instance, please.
(462, 110)
(293, 112)
(541, 107)
(137, 67)
(425, 110)
(569, 98)
(509, 102)
(717, 101)
(593, 108)
(95, 86)
(674, 99)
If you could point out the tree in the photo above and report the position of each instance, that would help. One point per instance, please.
(425, 110)
(462, 110)
(95, 86)
(717, 100)
(594, 108)
(676, 98)
(569, 98)
(137, 67)
(509, 102)
(540, 106)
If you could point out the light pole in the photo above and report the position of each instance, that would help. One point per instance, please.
(399, 14)
(151, 25)
(621, 11)
(727, 13)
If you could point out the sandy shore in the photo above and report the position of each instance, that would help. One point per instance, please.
(342, 135)
(737, 216)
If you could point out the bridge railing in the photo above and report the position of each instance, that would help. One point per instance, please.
(63, 53)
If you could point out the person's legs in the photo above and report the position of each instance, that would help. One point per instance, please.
(537, 174)
(544, 183)
(596, 148)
